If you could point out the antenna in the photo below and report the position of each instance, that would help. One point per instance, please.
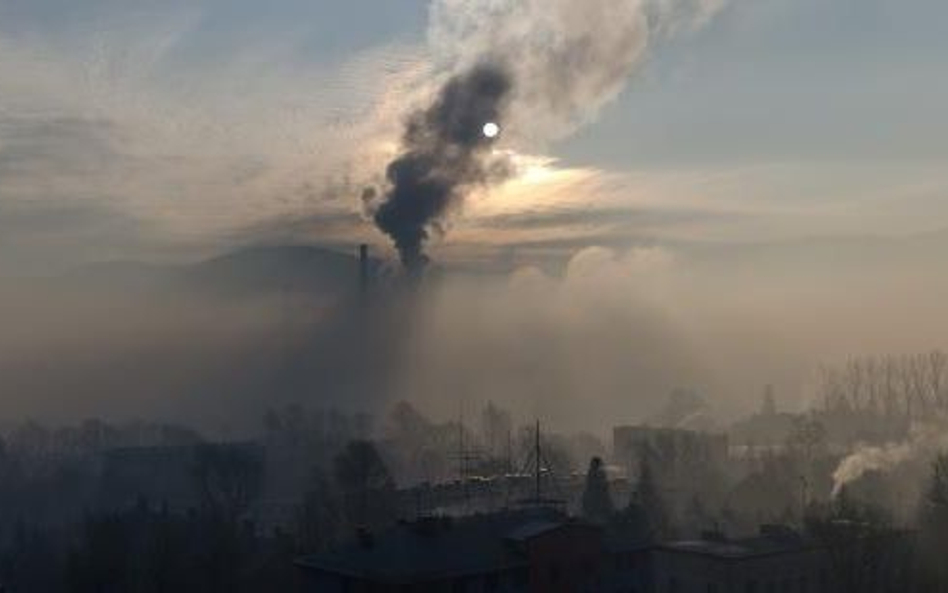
(466, 458)
(536, 459)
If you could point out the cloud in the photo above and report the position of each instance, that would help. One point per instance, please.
(123, 111)
(551, 344)
(568, 59)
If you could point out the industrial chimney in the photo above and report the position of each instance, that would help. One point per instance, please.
(363, 271)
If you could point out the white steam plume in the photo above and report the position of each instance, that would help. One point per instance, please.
(925, 440)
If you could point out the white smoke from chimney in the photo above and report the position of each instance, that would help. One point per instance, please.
(568, 58)
(925, 441)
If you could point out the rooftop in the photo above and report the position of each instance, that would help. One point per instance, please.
(436, 548)
(772, 539)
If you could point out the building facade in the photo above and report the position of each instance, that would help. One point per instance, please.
(545, 552)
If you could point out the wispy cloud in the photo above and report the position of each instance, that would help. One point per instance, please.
(118, 114)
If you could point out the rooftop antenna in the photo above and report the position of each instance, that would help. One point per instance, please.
(465, 457)
(536, 457)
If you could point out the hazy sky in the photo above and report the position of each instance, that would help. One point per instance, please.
(136, 129)
(717, 225)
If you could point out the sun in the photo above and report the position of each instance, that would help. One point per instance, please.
(491, 130)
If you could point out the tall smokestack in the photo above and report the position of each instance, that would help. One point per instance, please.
(363, 271)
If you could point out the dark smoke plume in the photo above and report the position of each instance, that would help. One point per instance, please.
(444, 153)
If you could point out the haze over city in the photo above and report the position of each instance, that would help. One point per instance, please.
(394, 230)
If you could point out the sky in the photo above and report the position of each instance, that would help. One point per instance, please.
(755, 188)
(143, 131)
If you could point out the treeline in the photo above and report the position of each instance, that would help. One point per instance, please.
(909, 386)
(68, 524)
(148, 507)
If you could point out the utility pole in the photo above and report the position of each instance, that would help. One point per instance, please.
(539, 458)
(462, 469)
(804, 495)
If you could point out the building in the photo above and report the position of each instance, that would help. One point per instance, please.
(777, 560)
(511, 551)
(546, 552)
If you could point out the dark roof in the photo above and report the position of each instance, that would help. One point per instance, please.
(433, 549)
(771, 540)
(535, 528)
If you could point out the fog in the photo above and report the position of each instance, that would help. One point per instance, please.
(593, 339)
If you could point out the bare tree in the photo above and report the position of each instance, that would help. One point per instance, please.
(863, 549)
(228, 478)
(367, 487)
(933, 526)
(912, 386)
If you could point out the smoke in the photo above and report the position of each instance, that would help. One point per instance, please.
(541, 68)
(925, 440)
(582, 349)
(444, 152)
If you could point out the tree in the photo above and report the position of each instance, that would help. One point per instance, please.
(597, 501)
(769, 405)
(318, 520)
(697, 519)
(646, 512)
(102, 561)
(368, 490)
(228, 478)
(407, 424)
(807, 438)
(496, 426)
(933, 525)
(911, 386)
(862, 546)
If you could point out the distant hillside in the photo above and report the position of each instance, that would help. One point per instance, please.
(255, 270)
(272, 269)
